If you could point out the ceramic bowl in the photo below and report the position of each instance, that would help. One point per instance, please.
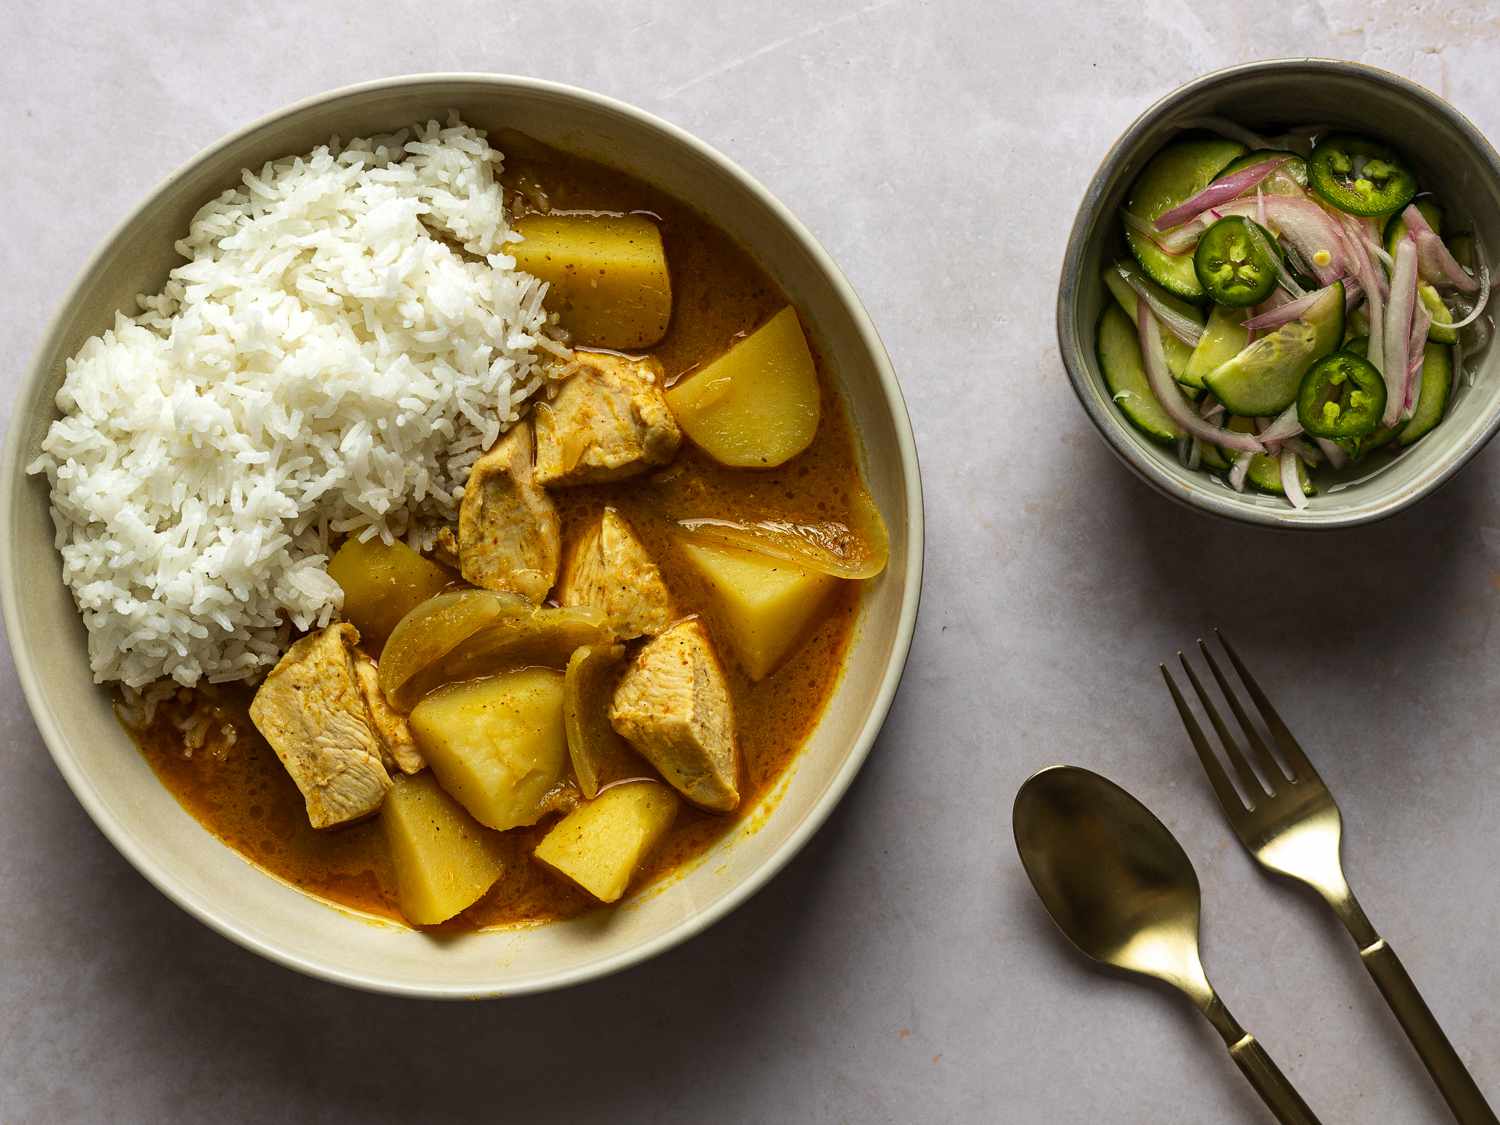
(1450, 154)
(205, 877)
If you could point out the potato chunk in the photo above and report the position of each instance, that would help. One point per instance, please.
(497, 745)
(608, 275)
(444, 861)
(757, 405)
(382, 583)
(764, 604)
(673, 706)
(600, 756)
(608, 568)
(599, 845)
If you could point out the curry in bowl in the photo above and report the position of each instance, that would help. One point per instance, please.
(534, 527)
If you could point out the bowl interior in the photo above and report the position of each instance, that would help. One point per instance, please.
(1452, 158)
(165, 843)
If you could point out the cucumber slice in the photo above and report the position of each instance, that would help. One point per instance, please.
(1178, 353)
(1265, 470)
(1224, 337)
(1214, 458)
(1395, 226)
(1295, 169)
(1263, 379)
(1363, 447)
(1119, 351)
(1437, 384)
(1439, 333)
(1265, 474)
(1174, 175)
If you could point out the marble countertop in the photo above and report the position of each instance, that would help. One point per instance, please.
(900, 970)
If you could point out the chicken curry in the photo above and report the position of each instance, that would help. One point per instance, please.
(633, 626)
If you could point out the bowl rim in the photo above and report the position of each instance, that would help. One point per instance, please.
(894, 402)
(1115, 430)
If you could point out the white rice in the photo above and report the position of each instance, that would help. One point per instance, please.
(325, 362)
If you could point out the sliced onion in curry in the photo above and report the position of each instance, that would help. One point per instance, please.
(465, 634)
(856, 548)
(601, 758)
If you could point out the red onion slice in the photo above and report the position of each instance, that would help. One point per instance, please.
(1176, 242)
(1305, 226)
(1285, 313)
(1284, 276)
(1239, 471)
(1416, 351)
(1187, 330)
(1165, 388)
(1291, 482)
(1286, 425)
(1435, 263)
(1336, 456)
(1220, 191)
(1303, 450)
(1484, 290)
(1396, 329)
(1361, 262)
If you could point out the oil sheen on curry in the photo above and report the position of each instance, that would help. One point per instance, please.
(616, 651)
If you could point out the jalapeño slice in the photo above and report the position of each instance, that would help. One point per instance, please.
(1360, 176)
(1233, 265)
(1342, 396)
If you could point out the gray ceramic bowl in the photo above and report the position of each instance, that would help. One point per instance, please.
(1448, 151)
(138, 814)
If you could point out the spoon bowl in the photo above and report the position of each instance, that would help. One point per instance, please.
(1114, 879)
(1122, 890)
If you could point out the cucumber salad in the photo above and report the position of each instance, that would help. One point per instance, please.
(1288, 305)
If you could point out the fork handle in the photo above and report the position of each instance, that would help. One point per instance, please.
(1447, 1069)
(1270, 1083)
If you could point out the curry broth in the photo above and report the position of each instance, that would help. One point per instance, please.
(236, 787)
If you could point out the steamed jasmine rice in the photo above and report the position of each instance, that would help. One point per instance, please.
(327, 361)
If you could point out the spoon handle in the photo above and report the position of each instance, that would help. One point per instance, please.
(1270, 1083)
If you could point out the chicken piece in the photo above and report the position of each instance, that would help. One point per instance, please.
(398, 749)
(673, 706)
(445, 548)
(609, 569)
(609, 421)
(509, 537)
(312, 712)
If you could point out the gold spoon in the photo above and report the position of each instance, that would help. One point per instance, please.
(1123, 891)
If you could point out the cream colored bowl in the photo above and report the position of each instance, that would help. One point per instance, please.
(255, 909)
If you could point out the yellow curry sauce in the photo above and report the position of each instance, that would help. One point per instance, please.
(237, 788)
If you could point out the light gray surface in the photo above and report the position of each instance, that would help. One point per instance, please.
(900, 970)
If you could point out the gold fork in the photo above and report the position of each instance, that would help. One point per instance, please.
(1289, 822)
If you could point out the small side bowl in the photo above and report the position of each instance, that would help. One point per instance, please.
(140, 816)
(1448, 151)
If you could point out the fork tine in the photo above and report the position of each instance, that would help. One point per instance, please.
(1231, 801)
(1270, 770)
(1250, 785)
(1291, 752)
